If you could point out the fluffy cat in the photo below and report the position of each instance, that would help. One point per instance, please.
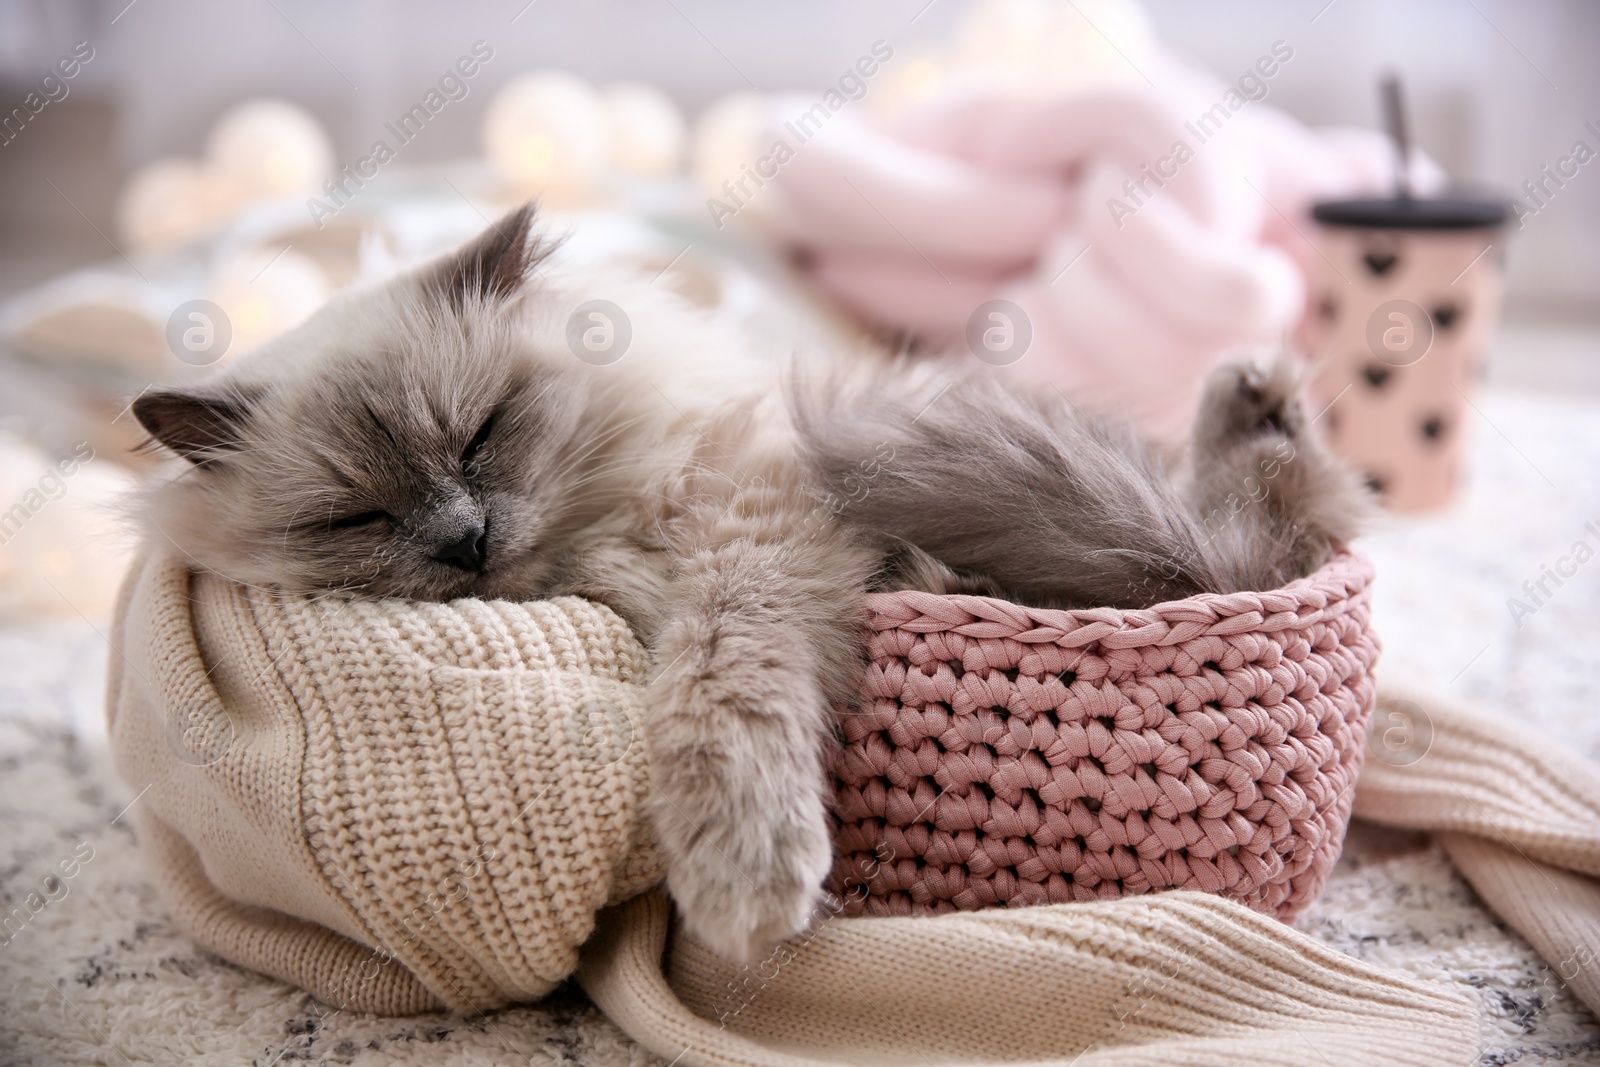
(435, 438)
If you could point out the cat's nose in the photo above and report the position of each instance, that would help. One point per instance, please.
(470, 553)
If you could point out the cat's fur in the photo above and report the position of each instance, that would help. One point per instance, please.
(733, 512)
(1023, 496)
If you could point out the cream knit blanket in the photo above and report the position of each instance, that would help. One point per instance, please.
(403, 806)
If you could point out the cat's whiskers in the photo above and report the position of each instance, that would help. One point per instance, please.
(289, 526)
(599, 442)
(598, 475)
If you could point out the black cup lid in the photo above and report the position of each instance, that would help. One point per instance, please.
(1407, 213)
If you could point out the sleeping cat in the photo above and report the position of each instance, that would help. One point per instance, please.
(434, 438)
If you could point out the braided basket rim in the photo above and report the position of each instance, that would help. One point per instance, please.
(1327, 592)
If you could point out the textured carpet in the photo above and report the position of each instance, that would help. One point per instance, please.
(99, 975)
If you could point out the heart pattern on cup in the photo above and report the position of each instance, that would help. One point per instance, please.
(1380, 263)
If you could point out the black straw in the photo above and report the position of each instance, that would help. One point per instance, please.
(1394, 114)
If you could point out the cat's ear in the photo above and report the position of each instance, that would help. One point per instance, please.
(495, 266)
(197, 424)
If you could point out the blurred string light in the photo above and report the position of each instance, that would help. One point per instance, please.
(1030, 46)
(170, 202)
(268, 148)
(1053, 44)
(727, 136)
(547, 134)
(551, 133)
(647, 130)
(63, 547)
(266, 293)
(260, 150)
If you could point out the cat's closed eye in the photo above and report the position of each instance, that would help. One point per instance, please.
(365, 518)
(475, 446)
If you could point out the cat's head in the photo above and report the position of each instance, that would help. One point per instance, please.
(409, 440)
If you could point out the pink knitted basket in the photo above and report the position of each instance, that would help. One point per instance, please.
(1012, 755)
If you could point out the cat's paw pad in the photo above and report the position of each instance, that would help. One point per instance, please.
(741, 901)
(1252, 399)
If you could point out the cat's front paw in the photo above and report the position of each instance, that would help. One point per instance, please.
(745, 884)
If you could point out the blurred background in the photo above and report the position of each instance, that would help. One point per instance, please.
(1498, 88)
(162, 152)
(1101, 196)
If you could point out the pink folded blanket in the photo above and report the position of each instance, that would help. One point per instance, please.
(1144, 232)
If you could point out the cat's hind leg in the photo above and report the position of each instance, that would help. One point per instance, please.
(1273, 502)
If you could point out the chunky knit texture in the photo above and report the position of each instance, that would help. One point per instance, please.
(1012, 755)
(401, 807)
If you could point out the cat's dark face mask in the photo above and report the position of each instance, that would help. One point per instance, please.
(422, 452)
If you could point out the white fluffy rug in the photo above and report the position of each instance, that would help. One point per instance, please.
(101, 976)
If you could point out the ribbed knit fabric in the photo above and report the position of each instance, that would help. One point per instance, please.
(1175, 978)
(403, 806)
(1485, 777)
(1519, 817)
(395, 806)
(1556, 910)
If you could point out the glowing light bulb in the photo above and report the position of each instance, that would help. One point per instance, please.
(646, 129)
(65, 550)
(267, 147)
(727, 136)
(547, 130)
(536, 154)
(263, 296)
(170, 202)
